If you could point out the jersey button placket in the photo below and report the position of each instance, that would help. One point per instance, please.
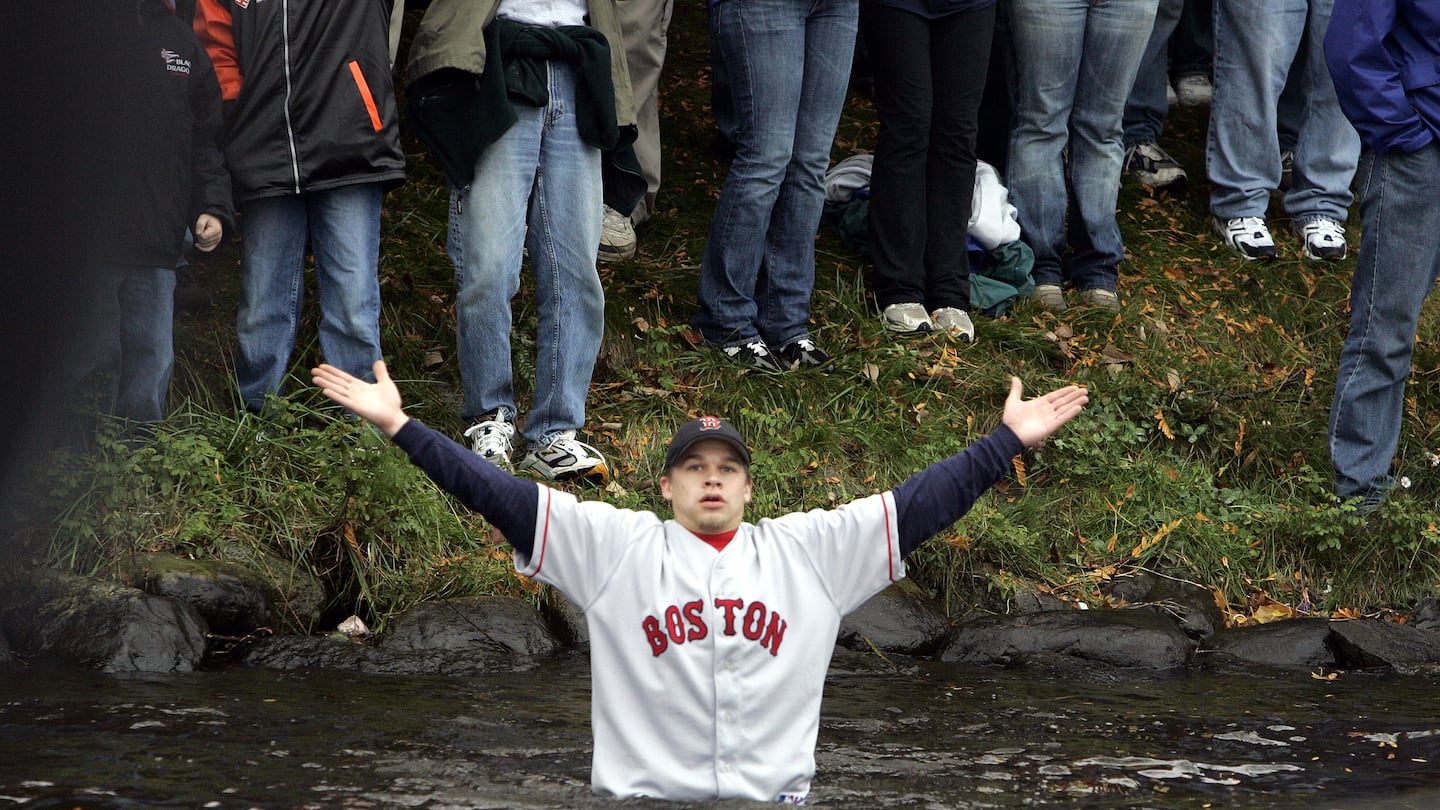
(728, 692)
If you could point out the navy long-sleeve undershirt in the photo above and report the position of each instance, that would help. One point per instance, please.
(925, 503)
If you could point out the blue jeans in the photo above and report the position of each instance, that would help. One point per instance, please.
(1256, 44)
(1075, 62)
(788, 66)
(131, 344)
(1398, 263)
(539, 166)
(1147, 107)
(342, 226)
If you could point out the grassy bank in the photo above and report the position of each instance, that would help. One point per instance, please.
(1201, 457)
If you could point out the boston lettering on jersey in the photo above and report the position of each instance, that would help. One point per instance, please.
(687, 623)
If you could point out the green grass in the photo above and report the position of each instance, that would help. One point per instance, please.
(1202, 455)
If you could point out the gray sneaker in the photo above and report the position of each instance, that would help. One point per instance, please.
(617, 237)
(1050, 296)
(1101, 299)
(1153, 166)
(954, 320)
(906, 317)
(491, 438)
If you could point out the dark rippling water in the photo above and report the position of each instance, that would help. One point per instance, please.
(920, 736)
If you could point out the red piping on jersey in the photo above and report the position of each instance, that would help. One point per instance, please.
(544, 533)
(889, 541)
(365, 94)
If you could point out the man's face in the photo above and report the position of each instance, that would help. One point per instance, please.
(708, 488)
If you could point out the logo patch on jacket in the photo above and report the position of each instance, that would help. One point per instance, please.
(175, 63)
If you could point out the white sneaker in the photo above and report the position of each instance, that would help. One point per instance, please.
(954, 320)
(1194, 90)
(566, 458)
(491, 439)
(1171, 99)
(906, 317)
(617, 237)
(1248, 235)
(1324, 239)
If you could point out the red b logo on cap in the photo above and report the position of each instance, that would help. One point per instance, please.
(709, 422)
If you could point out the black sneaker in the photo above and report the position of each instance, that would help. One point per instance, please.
(803, 353)
(754, 354)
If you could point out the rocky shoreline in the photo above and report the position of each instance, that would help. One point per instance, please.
(179, 615)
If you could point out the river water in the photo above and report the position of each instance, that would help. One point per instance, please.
(892, 736)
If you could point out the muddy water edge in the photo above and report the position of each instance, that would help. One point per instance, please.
(893, 734)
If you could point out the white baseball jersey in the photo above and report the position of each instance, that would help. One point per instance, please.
(707, 667)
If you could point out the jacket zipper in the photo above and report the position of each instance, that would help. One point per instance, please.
(289, 128)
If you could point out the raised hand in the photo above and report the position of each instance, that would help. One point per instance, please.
(1034, 419)
(378, 403)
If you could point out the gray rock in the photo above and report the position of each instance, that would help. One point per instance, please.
(483, 623)
(1192, 607)
(1370, 643)
(337, 652)
(234, 599)
(1118, 638)
(302, 597)
(902, 619)
(102, 625)
(1425, 615)
(567, 620)
(1293, 644)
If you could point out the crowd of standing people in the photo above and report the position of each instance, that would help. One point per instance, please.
(544, 116)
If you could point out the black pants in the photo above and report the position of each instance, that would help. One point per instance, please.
(929, 79)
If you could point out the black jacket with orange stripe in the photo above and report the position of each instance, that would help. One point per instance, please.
(308, 91)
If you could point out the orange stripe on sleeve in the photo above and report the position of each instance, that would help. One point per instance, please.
(213, 27)
(365, 94)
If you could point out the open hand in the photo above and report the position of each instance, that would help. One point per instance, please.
(378, 403)
(1034, 419)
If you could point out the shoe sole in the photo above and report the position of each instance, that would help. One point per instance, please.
(902, 329)
(612, 254)
(1148, 180)
(599, 473)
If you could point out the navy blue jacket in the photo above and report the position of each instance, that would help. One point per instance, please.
(1384, 57)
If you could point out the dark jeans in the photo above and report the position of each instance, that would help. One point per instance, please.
(1192, 46)
(929, 79)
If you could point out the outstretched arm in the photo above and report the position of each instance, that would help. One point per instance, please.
(942, 493)
(377, 403)
(509, 503)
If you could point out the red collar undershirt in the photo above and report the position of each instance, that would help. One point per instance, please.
(717, 541)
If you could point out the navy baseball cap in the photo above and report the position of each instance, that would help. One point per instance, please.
(698, 430)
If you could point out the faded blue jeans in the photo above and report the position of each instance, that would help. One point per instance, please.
(788, 66)
(342, 226)
(539, 172)
(1397, 266)
(1256, 44)
(1075, 63)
